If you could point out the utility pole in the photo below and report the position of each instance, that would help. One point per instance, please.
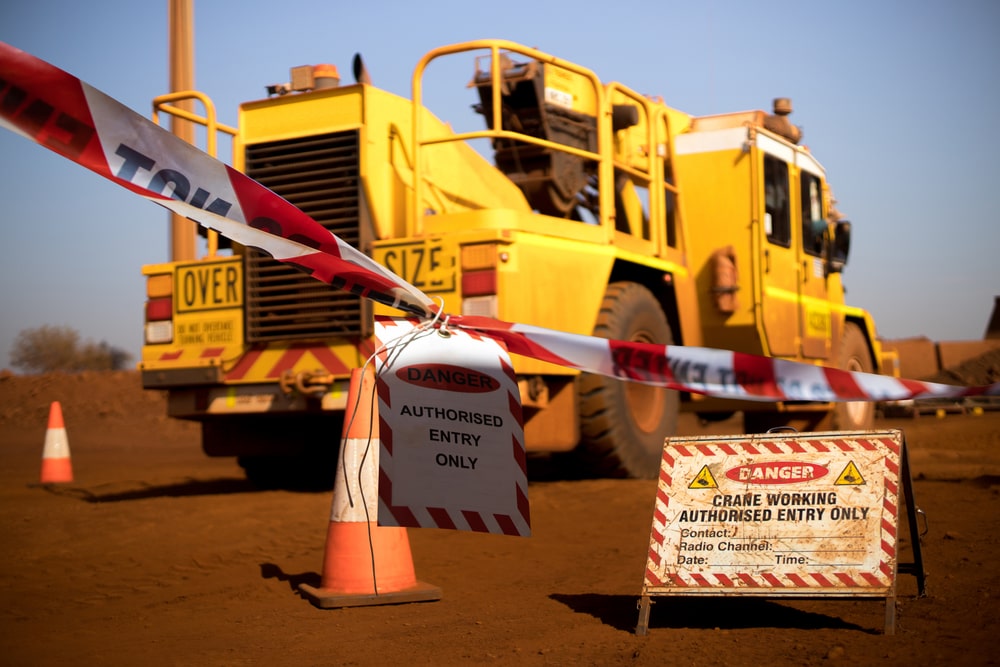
(180, 26)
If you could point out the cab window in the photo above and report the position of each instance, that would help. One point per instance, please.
(813, 221)
(777, 225)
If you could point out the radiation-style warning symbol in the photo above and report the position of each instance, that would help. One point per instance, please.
(703, 480)
(850, 477)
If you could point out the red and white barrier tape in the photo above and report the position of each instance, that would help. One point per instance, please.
(62, 113)
(700, 370)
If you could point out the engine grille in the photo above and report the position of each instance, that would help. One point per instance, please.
(319, 175)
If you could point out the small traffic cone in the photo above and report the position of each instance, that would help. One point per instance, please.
(364, 563)
(56, 464)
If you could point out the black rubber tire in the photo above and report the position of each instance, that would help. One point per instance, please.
(856, 357)
(623, 424)
(308, 471)
(279, 452)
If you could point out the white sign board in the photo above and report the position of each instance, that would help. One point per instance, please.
(452, 453)
(777, 515)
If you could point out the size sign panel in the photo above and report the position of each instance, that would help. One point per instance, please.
(775, 515)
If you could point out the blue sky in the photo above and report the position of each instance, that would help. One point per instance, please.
(898, 99)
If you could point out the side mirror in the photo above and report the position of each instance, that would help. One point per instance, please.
(839, 247)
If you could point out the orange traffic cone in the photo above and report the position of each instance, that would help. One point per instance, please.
(364, 564)
(56, 464)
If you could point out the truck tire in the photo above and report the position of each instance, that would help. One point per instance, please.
(851, 416)
(279, 452)
(855, 357)
(623, 424)
(308, 471)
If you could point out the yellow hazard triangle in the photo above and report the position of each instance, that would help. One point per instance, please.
(850, 477)
(703, 480)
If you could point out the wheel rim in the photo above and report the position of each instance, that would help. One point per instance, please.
(646, 403)
(856, 411)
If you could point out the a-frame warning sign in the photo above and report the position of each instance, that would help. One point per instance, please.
(780, 515)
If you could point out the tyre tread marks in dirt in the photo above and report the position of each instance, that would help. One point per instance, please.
(623, 424)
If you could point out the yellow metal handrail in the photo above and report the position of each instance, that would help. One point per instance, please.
(605, 168)
(166, 104)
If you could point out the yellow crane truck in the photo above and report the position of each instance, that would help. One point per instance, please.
(593, 209)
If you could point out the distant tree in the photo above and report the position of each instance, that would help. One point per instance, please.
(47, 348)
(58, 348)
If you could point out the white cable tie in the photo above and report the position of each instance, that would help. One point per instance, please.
(444, 332)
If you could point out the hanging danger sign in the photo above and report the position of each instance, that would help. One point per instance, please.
(452, 440)
(777, 516)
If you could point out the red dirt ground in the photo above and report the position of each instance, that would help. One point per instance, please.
(157, 555)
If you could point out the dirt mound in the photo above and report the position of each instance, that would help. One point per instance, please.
(112, 397)
(983, 370)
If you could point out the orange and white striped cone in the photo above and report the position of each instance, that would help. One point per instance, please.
(364, 563)
(56, 464)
